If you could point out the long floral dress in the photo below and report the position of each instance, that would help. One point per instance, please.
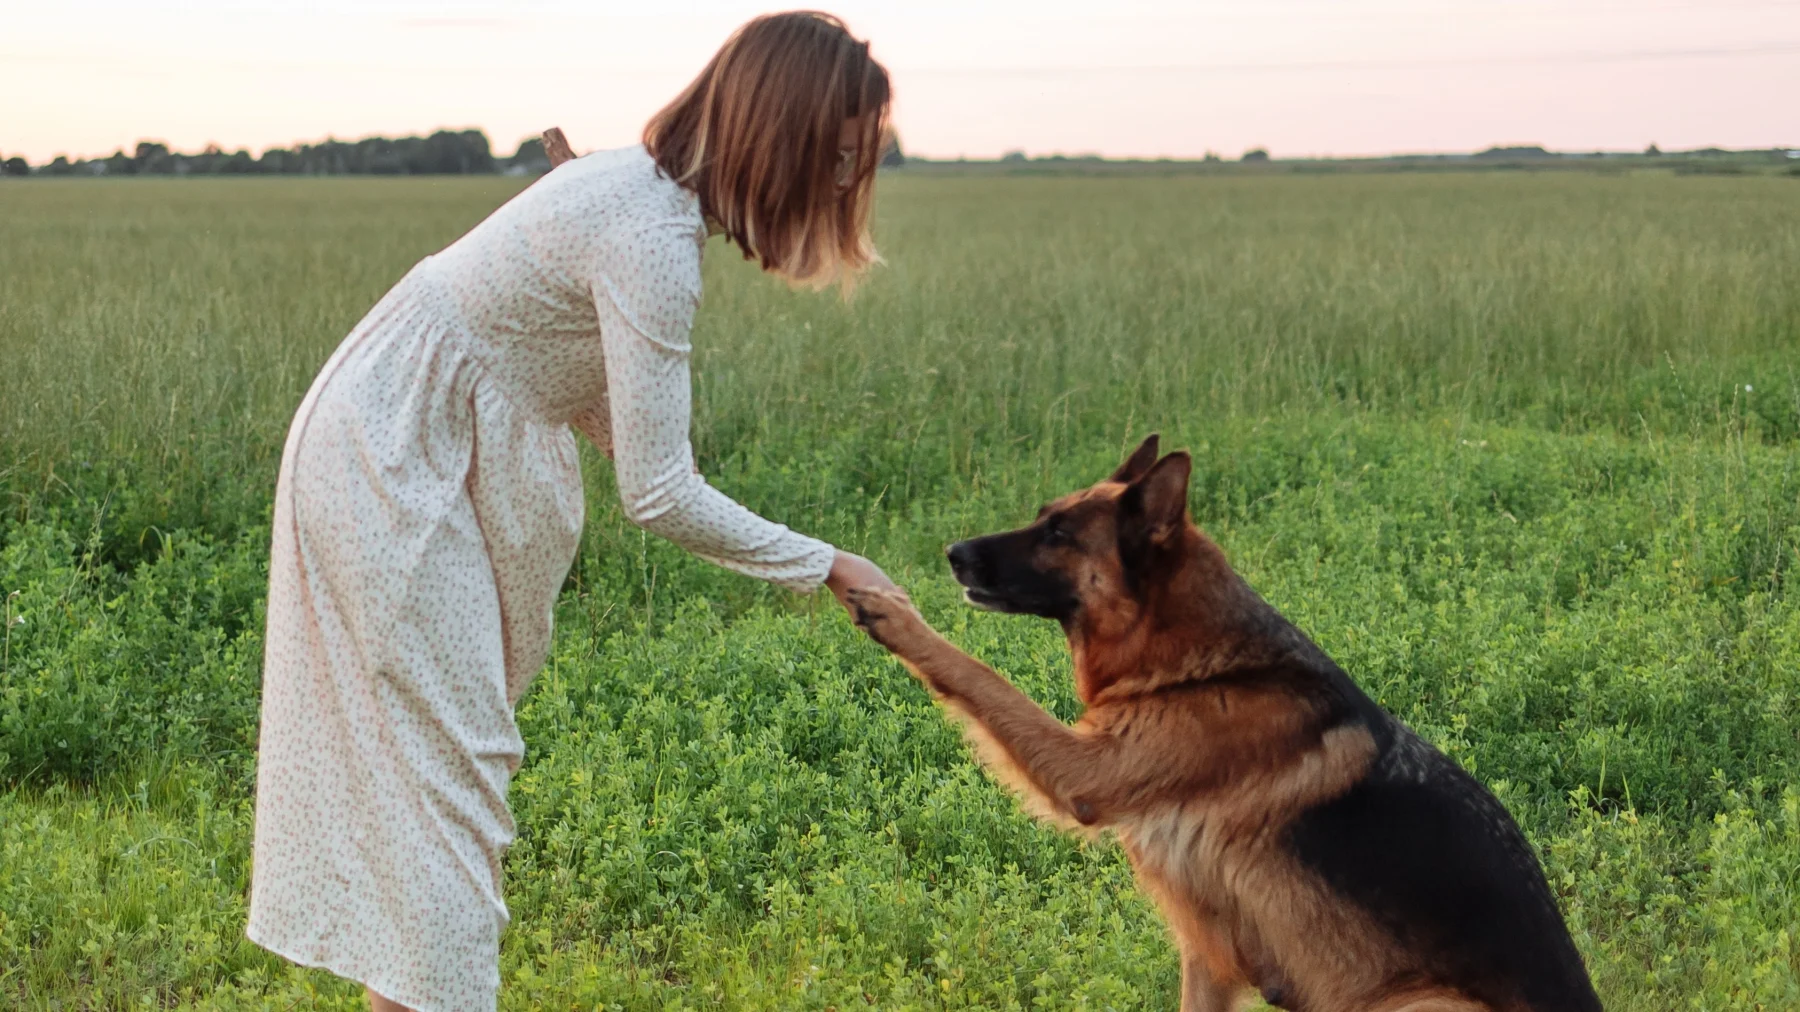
(427, 511)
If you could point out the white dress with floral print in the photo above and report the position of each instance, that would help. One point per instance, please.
(427, 511)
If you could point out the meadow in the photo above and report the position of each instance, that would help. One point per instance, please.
(1522, 452)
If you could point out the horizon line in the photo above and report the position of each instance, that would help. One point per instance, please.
(331, 138)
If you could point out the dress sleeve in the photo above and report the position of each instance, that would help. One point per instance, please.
(646, 289)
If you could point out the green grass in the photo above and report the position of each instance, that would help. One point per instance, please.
(1520, 451)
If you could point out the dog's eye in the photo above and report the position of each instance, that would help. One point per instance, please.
(1054, 535)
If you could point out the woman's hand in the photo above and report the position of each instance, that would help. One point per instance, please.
(853, 572)
(556, 146)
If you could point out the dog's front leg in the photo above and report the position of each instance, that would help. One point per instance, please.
(1203, 991)
(1071, 775)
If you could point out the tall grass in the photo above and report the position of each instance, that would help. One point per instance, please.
(1518, 451)
(165, 330)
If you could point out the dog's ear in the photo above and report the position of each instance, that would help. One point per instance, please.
(1154, 507)
(1138, 464)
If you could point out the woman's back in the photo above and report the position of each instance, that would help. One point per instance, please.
(523, 284)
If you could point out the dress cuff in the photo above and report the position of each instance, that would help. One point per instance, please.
(811, 569)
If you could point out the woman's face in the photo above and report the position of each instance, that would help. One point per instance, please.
(850, 137)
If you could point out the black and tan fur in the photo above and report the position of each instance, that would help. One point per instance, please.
(1300, 840)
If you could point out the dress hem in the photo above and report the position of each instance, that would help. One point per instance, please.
(369, 980)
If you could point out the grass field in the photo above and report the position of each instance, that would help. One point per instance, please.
(1521, 452)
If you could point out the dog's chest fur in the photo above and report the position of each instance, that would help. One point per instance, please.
(1217, 862)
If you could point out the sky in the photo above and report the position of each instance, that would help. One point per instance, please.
(1121, 78)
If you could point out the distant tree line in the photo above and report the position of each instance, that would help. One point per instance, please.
(467, 152)
(1700, 161)
(1015, 157)
(444, 153)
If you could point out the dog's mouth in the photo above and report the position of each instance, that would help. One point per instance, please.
(987, 601)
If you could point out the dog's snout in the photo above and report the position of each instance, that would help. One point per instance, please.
(962, 557)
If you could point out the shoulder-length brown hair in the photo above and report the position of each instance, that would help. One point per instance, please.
(756, 137)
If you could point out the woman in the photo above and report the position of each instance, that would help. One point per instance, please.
(429, 505)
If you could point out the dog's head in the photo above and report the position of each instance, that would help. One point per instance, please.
(1094, 559)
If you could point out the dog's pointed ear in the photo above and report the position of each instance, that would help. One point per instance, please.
(1138, 464)
(1154, 506)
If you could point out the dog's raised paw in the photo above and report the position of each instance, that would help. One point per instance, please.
(870, 605)
(888, 616)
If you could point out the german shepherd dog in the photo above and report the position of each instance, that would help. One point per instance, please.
(1299, 839)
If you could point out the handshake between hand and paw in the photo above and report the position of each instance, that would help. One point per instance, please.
(890, 619)
(879, 607)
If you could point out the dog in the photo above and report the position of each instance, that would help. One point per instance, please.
(1299, 840)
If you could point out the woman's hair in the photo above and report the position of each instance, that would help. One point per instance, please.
(756, 137)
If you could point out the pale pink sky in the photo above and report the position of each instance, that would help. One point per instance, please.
(1121, 78)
